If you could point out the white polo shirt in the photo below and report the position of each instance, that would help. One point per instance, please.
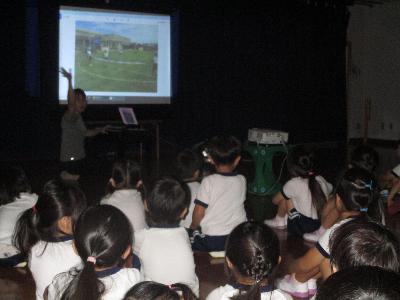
(117, 282)
(166, 256)
(297, 190)
(49, 259)
(228, 291)
(194, 187)
(130, 202)
(323, 242)
(223, 196)
(10, 213)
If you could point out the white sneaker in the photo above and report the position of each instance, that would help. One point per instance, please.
(314, 236)
(290, 285)
(277, 222)
(312, 287)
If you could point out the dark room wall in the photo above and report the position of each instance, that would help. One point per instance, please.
(279, 65)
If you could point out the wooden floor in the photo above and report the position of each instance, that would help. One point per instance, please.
(17, 283)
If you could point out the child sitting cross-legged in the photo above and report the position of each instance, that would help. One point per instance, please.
(164, 248)
(219, 206)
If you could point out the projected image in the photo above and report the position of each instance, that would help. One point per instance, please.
(116, 57)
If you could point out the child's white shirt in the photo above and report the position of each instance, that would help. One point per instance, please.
(194, 187)
(130, 202)
(117, 282)
(166, 256)
(10, 213)
(323, 242)
(298, 191)
(226, 292)
(49, 259)
(223, 196)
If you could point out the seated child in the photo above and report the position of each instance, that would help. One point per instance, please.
(150, 290)
(188, 166)
(252, 256)
(361, 283)
(164, 248)
(124, 182)
(219, 206)
(101, 248)
(302, 198)
(356, 196)
(15, 198)
(393, 198)
(44, 232)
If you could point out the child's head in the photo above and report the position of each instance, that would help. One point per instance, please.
(361, 283)
(188, 165)
(126, 174)
(357, 192)
(13, 182)
(224, 151)
(364, 157)
(150, 290)
(252, 254)
(167, 202)
(301, 164)
(361, 242)
(80, 100)
(103, 239)
(57, 209)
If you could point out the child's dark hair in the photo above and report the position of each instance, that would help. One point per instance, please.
(102, 234)
(362, 242)
(301, 164)
(187, 163)
(253, 249)
(150, 290)
(224, 149)
(58, 199)
(166, 201)
(125, 174)
(80, 92)
(13, 182)
(365, 157)
(361, 283)
(358, 192)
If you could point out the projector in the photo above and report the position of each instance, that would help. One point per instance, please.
(267, 136)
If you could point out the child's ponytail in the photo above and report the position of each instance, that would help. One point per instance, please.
(102, 235)
(25, 235)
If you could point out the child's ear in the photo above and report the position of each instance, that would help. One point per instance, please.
(237, 160)
(229, 263)
(127, 252)
(112, 182)
(184, 213)
(139, 184)
(146, 208)
(339, 203)
(65, 224)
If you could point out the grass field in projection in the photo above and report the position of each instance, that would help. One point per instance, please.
(129, 71)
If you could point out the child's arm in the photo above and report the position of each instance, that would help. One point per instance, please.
(198, 215)
(393, 191)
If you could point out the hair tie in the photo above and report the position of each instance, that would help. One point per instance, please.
(34, 209)
(91, 259)
(311, 173)
(364, 209)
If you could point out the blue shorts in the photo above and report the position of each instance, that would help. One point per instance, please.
(207, 243)
(299, 224)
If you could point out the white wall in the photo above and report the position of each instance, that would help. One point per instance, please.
(374, 35)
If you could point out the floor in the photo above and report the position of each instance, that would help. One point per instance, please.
(17, 283)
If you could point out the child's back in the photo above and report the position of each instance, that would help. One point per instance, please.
(164, 249)
(125, 180)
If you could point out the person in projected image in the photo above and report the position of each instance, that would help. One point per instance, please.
(74, 132)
